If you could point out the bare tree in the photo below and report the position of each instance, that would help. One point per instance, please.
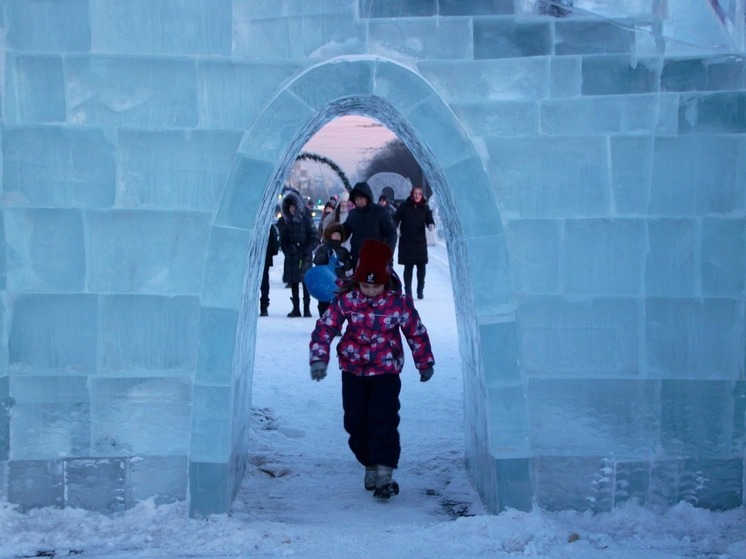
(395, 157)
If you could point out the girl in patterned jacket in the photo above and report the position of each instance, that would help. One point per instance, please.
(371, 356)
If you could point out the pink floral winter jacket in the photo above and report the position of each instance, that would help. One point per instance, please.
(371, 343)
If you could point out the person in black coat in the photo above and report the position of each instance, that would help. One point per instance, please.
(413, 217)
(273, 248)
(298, 239)
(367, 220)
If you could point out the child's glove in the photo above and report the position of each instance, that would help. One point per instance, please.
(318, 370)
(426, 374)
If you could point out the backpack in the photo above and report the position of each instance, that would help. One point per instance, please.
(273, 245)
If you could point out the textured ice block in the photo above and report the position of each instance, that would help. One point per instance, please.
(148, 333)
(97, 484)
(686, 185)
(500, 350)
(36, 483)
(58, 167)
(703, 418)
(220, 79)
(723, 113)
(489, 80)
(512, 118)
(50, 417)
(45, 250)
(723, 257)
(174, 170)
(37, 92)
(5, 403)
(142, 26)
(715, 484)
(418, 39)
(475, 7)
(670, 261)
(690, 338)
(508, 428)
(163, 478)
(604, 257)
(631, 170)
(209, 492)
(504, 38)
(565, 76)
(226, 267)
(534, 246)
(593, 36)
(48, 26)
(147, 252)
(589, 337)
(149, 415)
(54, 332)
(211, 418)
(617, 75)
(577, 417)
(269, 30)
(547, 186)
(131, 91)
(217, 334)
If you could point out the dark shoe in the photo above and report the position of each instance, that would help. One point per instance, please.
(295, 313)
(307, 313)
(420, 295)
(263, 311)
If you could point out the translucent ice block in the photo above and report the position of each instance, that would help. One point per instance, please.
(148, 333)
(49, 332)
(148, 415)
(45, 249)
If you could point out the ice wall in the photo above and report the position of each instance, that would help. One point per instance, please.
(592, 168)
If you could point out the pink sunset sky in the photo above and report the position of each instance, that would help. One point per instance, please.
(349, 140)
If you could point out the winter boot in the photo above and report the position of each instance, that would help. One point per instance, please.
(296, 308)
(371, 474)
(263, 311)
(385, 485)
(307, 310)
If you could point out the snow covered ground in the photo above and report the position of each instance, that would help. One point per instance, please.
(303, 495)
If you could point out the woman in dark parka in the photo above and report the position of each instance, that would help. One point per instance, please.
(414, 217)
(298, 239)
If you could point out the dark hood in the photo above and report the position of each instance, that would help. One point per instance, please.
(364, 189)
(294, 197)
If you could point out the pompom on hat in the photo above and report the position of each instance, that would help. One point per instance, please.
(373, 263)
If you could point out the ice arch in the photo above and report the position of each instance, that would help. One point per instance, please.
(407, 105)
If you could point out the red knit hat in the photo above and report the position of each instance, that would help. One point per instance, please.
(373, 263)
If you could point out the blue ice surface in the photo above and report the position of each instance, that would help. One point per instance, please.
(591, 169)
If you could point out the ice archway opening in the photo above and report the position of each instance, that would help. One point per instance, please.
(406, 104)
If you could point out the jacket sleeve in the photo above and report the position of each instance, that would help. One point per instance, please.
(417, 337)
(429, 217)
(312, 236)
(321, 256)
(397, 215)
(389, 230)
(327, 328)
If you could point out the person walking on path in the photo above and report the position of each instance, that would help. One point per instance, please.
(371, 357)
(273, 248)
(368, 220)
(413, 217)
(298, 239)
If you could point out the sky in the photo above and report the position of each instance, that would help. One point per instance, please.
(303, 496)
(349, 141)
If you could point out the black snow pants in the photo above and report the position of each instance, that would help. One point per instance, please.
(371, 417)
